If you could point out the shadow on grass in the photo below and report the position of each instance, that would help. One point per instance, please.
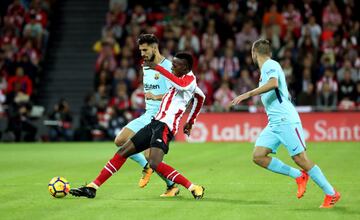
(336, 209)
(204, 200)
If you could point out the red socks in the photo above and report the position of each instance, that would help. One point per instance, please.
(110, 168)
(170, 173)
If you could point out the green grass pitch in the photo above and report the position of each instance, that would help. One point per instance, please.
(235, 187)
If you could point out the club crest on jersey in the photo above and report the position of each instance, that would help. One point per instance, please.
(157, 76)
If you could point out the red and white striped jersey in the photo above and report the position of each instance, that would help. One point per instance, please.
(175, 101)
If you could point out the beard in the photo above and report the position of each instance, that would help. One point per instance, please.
(152, 58)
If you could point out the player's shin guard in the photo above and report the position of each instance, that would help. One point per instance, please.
(173, 175)
(110, 168)
(317, 175)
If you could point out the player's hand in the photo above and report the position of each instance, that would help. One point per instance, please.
(149, 96)
(240, 98)
(187, 129)
(149, 65)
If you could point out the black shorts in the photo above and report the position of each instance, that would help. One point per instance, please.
(156, 134)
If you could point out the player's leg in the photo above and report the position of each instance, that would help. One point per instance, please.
(170, 173)
(128, 132)
(171, 188)
(142, 138)
(125, 134)
(159, 146)
(303, 161)
(268, 142)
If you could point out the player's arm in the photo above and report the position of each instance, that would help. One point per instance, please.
(151, 96)
(180, 83)
(199, 99)
(272, 83)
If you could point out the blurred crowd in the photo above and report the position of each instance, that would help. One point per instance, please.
(23, 40)
(316, 42)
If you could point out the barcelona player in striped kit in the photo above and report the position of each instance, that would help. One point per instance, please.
(284, 127)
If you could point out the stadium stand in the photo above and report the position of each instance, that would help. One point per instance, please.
(316, 42)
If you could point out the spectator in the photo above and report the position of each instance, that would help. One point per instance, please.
(248, 34)
(207, 88)
(347, 67)
(34, 30)
(331, 15)
(313, 29)
(138, 101)
(293, 16)
(106, 59)
(63, 118)
(347, 88)
(107, 40)
(22, 80)
(326, 99)
(88, 120)
(101, 97)
(121, 99)
(307, 96)
(209, 59)
(243, 84)
(229, 64)
(223, 97)
(117, 121)
(21, 127)
(328, 78)
(189, 40)
(210, 39)
(138, 15)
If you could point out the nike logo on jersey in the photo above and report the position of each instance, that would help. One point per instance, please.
(159, 140)
(295, 148)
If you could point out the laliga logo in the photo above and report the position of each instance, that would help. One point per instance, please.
(199, 133)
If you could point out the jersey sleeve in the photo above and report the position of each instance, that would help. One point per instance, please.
(199, 99)
(180, 83)
(271, 71)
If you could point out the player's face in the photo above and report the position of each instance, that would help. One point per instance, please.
(179, 67)
(147, 52)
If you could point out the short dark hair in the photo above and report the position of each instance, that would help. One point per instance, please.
(187, 57)
(147, 39)
(263, 46)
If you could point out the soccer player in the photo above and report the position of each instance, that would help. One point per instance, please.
(155, 86)
(284, 127)
(161, 130)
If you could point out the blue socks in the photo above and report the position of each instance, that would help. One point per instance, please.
(319, 178)
(168, 182)
(278, 166)
(139, 158)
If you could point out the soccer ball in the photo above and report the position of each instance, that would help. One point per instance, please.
(59, 187)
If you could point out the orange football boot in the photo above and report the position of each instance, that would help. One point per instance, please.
(301, 181)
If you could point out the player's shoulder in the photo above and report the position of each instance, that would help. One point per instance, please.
(270, 66)
(166, 63)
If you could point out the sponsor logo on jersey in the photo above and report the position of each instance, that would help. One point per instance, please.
(151, 86)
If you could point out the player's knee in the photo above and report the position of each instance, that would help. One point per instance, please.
(153, 164)
(300, 159)
(119, 141)
(258, 159)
